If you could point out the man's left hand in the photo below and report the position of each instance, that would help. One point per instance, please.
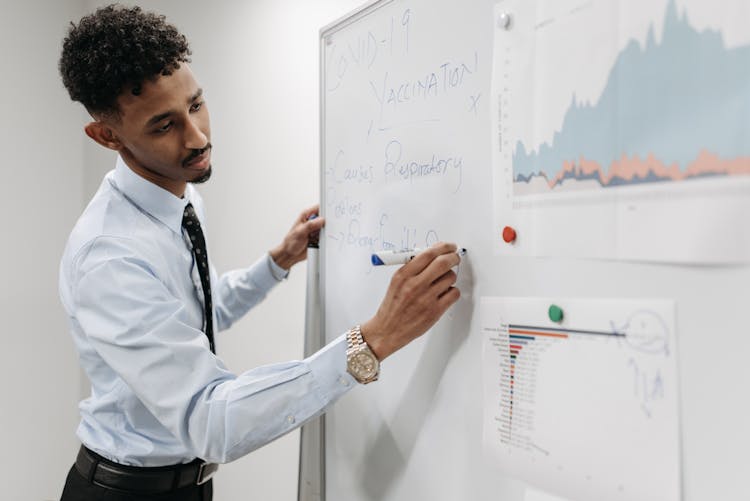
(293, 248)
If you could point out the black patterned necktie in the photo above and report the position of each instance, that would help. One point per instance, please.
(193, 227)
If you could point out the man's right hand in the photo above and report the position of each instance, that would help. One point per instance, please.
(419, 293)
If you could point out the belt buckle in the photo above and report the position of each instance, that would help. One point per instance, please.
(205, 472)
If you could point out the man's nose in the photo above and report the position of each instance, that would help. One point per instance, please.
(195, 139)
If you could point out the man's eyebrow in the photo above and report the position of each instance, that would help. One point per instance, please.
(161, 116)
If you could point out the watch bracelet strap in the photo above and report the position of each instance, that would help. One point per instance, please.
(354, 339)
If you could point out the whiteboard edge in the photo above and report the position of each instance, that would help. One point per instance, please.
(349, 18)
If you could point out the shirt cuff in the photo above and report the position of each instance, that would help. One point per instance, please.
(328, 366)
(277, 271)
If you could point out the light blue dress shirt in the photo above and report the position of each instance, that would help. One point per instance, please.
(133, 296)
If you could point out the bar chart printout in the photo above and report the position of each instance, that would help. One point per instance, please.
(586, 408)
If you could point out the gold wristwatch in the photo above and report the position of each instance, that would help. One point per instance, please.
(361, 362)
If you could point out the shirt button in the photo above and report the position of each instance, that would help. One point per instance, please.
(290, 419)
(343, 381)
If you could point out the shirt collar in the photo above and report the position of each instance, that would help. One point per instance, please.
(152, 199)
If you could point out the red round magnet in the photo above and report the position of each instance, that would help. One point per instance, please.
(509, 234)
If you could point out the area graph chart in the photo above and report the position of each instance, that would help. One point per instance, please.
(626, 124)
(671, 110)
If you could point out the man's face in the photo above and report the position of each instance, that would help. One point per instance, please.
(164, 132)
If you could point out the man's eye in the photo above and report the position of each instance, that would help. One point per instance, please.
(165, 127)
(196, 106)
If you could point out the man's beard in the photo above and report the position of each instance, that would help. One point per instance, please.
(203, 178)
(196, 153)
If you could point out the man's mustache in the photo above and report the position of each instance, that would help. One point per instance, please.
(196, 153)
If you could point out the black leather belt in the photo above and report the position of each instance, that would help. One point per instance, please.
(142, 480)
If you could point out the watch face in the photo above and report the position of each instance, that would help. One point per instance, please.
(363, 364)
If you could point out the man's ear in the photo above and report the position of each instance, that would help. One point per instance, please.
(103, 134)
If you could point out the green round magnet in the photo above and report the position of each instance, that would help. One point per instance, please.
(555, 313)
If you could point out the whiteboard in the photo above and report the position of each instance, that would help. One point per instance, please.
(406, 161)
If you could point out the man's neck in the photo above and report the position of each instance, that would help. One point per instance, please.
(176, 188)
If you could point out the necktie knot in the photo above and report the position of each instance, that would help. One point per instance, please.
(189, 218)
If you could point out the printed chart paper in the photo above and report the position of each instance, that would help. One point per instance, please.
(585, 409)
(620, 129)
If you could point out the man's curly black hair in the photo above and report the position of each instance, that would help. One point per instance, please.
(118, 48)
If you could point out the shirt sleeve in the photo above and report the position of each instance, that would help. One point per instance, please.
(277, 271)
(239, 290)
(140, 330)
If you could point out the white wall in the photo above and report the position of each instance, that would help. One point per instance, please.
(258, 64)
(42, 194)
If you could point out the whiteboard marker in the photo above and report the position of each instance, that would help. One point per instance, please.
(390, 257)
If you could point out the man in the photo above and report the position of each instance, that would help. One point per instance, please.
(144, 301)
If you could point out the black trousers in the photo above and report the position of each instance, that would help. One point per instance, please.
(78, 488)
